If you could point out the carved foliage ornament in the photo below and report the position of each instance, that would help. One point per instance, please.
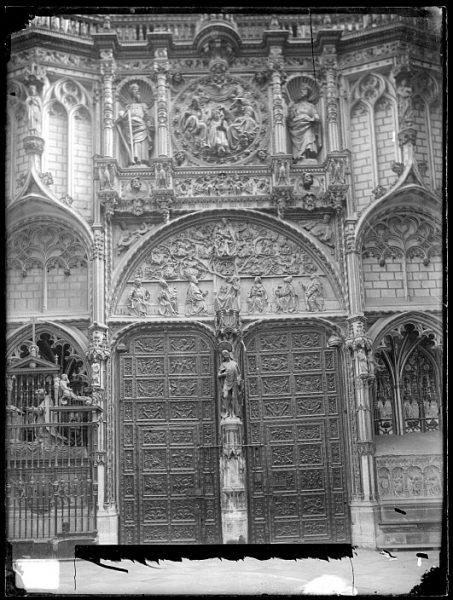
(400, 236)
(225, 248)
(219, 122)
(45, 247)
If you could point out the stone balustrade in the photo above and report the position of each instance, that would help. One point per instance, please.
(183, 27)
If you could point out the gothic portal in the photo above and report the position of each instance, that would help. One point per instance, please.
(224, 279)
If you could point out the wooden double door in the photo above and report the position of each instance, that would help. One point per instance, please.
(294, 438)
(294, 431)
(168, 460)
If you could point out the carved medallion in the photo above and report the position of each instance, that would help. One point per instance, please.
(219, 123)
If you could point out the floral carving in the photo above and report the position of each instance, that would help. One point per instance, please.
(225, 248)
(47, 247)
(400, 236)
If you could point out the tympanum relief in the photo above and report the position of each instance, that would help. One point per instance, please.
(219, 266)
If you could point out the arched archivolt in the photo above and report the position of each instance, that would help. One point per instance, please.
(57, 344)
(426, 325)
(409, 198)
(251, 244)
(31, 208)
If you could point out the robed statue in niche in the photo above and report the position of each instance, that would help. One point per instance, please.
(136, 128)
(231, 381)
(303, 121)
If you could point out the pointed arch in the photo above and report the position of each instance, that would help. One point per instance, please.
(242, 218)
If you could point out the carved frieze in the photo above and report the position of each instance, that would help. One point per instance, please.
(222, 185)
(409, 476)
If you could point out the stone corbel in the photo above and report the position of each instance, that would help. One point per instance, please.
(282, 197)
(109, 201)
(337, 196)
(164, 200)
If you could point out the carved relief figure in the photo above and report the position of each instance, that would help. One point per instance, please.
(67, 396)
(167, 299)
(314, 294)
(196, 298)
(218, 129)
(304, 126)
(362, 361)
(431, 409)
(138, 301)
(230, 378)
(228, 296)
(257, 300)
(384, 408)
(161, 176)
(405, 105)
(322, 230)
(136, 127)
(411, 409)
(34, 111)
(281, 173)
(286, 299)
(130, 237)
(41, 414)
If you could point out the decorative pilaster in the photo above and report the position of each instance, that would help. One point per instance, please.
(360, 349)
(275, 63)
(330, 69)
(108, 71)
(161, 70)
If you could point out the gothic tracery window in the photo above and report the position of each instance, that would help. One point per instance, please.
(407, 389)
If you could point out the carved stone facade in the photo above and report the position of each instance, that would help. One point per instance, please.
(232, 234)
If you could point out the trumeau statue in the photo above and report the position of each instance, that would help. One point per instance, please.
(136, 129)
(230, 378)
(304, 123)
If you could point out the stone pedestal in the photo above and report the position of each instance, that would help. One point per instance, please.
(363, 523)
(107, 526)
(232, 469)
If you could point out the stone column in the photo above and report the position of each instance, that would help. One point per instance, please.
(161, 68)
(330, 66)
(363, 502)
(232, 463)
(107, 72)
(275, 62)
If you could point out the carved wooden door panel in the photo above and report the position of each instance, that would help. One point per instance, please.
(168, 465)
(295, 447)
